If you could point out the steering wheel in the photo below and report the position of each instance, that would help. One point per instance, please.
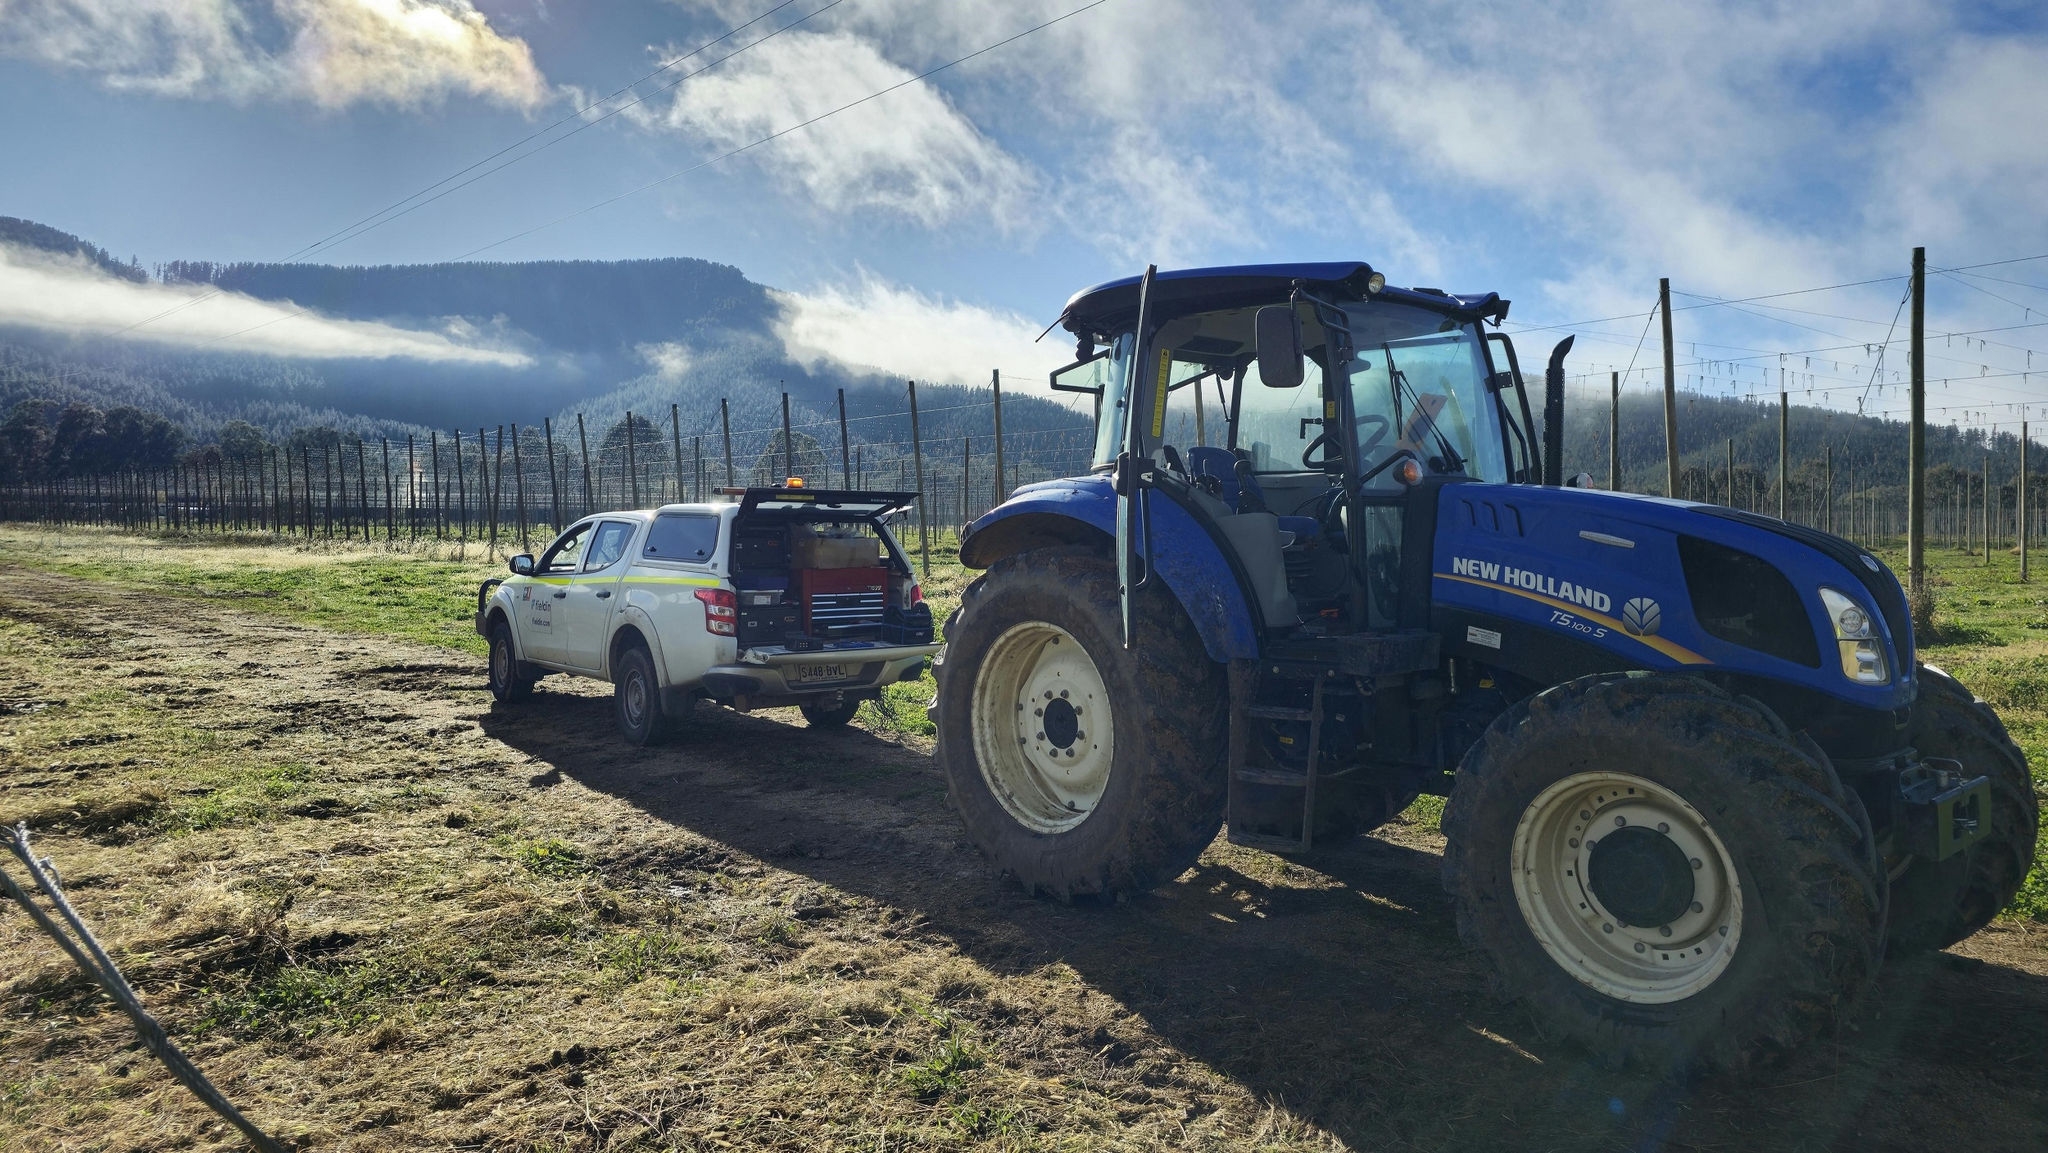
(1308, 455)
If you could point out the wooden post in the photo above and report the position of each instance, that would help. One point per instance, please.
(966, 476)
(1784, 437)
(697, 468)
(1614, 432)
(1670, 393)
(788, 449)
(924, 536)
(583, 444)
(434, 483)
(845, 459)
(390, 524)
(1827, 488)
(995, 378)
(494, 483)
(725, 427)
(519, 492)
(1731, 472)
(675, 432)
(2020, 510)
(547, 428)
(632, 465)
(306, 469)
(1987, 500)
(363, 487)
(1916, 436)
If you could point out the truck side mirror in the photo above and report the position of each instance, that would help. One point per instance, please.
(1278, 331)
(522, 565)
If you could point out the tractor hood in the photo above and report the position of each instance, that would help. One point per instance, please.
(1660, 584)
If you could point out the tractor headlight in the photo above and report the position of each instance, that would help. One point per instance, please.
(1862, 652)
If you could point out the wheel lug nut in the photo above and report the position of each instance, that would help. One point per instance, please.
(1639, 947)
(1585, 815)
(1663, 827)
(1048, 694)
(1037, 712)
(1041, 736)
(1607, 928)
(1698, 908)
(1620, 821)
(1695, 862)
(1575, 842)
(1664, 930)
(1063, 694)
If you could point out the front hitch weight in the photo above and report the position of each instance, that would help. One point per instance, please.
(1944, 812)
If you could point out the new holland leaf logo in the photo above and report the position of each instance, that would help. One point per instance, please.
(1641, 617)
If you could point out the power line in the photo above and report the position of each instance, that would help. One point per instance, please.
(357, 229)
(588, 124)
(784, 132)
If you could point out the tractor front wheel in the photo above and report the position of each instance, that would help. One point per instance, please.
(1937, 903)
(1079, 766)
(1664, 873)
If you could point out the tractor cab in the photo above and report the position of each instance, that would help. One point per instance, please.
(1306, 414)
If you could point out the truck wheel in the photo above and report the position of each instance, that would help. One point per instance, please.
(636, 698)
(827, 716)
(1662, 872)
(1937, 903)
(1077, 765)
(508, 684)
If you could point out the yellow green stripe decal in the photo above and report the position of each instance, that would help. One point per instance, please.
(1676, 652)
(695, 582)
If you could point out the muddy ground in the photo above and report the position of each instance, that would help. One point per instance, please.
(385, 915)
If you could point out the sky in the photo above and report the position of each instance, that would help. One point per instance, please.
(1564, 154)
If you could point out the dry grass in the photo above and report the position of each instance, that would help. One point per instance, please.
(386, 916)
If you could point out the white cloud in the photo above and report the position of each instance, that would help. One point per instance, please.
(66, 295)
(330, 53)
(910, 154)
(670, 359)
(875, 326)
(1975, 167)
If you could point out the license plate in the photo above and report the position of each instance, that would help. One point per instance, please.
(806, 673)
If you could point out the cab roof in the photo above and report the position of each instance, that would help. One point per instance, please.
(1112, 307)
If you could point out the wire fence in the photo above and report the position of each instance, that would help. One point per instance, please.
(511, 484)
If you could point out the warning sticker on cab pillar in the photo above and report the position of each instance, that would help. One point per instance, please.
(1159, 394)
(1474, 635)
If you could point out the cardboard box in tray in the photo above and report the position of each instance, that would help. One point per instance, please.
(807, 551)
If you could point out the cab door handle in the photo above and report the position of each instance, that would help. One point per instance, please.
(561, 594)
(604, 594)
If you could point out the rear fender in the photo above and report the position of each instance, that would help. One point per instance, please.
(632, 624)
(1083, 511)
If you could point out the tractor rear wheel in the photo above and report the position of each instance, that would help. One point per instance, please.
(1937, 903)
(1663, 872)
(1081, 767)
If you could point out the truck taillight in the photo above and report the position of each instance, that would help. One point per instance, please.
(721, 611)
(914, 597)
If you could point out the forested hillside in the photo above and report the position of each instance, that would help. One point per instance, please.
(668, 340)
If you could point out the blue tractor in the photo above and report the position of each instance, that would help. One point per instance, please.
(1698, 784)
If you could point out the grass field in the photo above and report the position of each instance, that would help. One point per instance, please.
(384, 915)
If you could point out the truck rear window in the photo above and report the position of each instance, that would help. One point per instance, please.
(682, 537)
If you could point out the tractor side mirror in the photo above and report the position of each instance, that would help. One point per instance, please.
(1278, 331)
(522, 565)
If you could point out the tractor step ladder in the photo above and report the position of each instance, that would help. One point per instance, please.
(1244, 680)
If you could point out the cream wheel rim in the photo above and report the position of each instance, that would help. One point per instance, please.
(1627, 887)
(1042, 728)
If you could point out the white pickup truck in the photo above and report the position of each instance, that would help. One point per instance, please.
(785, 596)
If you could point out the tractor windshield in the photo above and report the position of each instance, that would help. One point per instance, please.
(1418, 383)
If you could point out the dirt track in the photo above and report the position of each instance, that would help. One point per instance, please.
(843, 933)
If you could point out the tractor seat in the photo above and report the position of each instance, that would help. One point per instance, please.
(1221, 465)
